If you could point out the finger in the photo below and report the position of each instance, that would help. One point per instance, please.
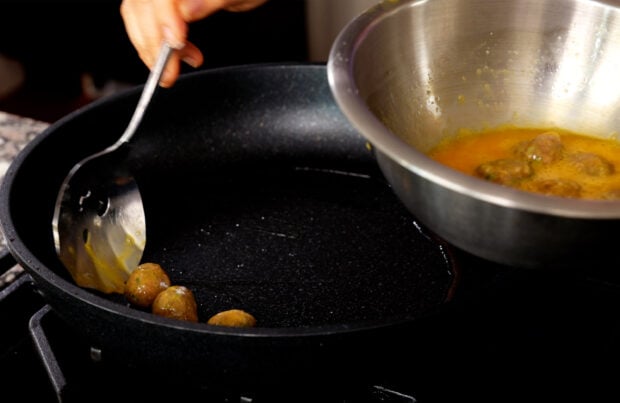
(171, 71)
(191, 55)
(148, 24)
(173, 28)
(142, 28)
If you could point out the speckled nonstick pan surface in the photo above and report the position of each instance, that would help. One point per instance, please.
(259, 195)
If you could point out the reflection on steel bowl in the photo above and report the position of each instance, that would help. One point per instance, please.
(409, 74)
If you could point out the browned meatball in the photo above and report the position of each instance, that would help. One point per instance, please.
(505, 171)
(591, 164)
(144, 283)
(233, 317)
(545, 148)
(176, 302)
(557, 187)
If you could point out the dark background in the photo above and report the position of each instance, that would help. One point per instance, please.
(58, 42)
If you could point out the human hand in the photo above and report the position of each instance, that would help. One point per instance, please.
(149, 22)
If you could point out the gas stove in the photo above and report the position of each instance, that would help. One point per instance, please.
(507, 335)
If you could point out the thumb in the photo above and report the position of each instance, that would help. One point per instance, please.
(194, 10)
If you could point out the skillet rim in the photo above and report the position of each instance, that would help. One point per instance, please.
(45, 277)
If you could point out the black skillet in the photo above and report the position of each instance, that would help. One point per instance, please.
(259, 195)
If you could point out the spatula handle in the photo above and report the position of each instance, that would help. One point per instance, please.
(147, 93)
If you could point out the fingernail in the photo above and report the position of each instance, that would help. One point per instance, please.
(171, 40)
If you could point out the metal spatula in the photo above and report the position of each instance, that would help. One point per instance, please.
(99, 223)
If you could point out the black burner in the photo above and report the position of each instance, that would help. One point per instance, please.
(508, 335)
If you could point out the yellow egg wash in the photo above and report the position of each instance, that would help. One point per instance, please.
(467, 152)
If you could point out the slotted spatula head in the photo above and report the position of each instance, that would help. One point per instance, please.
(99, 224)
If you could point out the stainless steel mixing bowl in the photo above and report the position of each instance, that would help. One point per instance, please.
(409, 73)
